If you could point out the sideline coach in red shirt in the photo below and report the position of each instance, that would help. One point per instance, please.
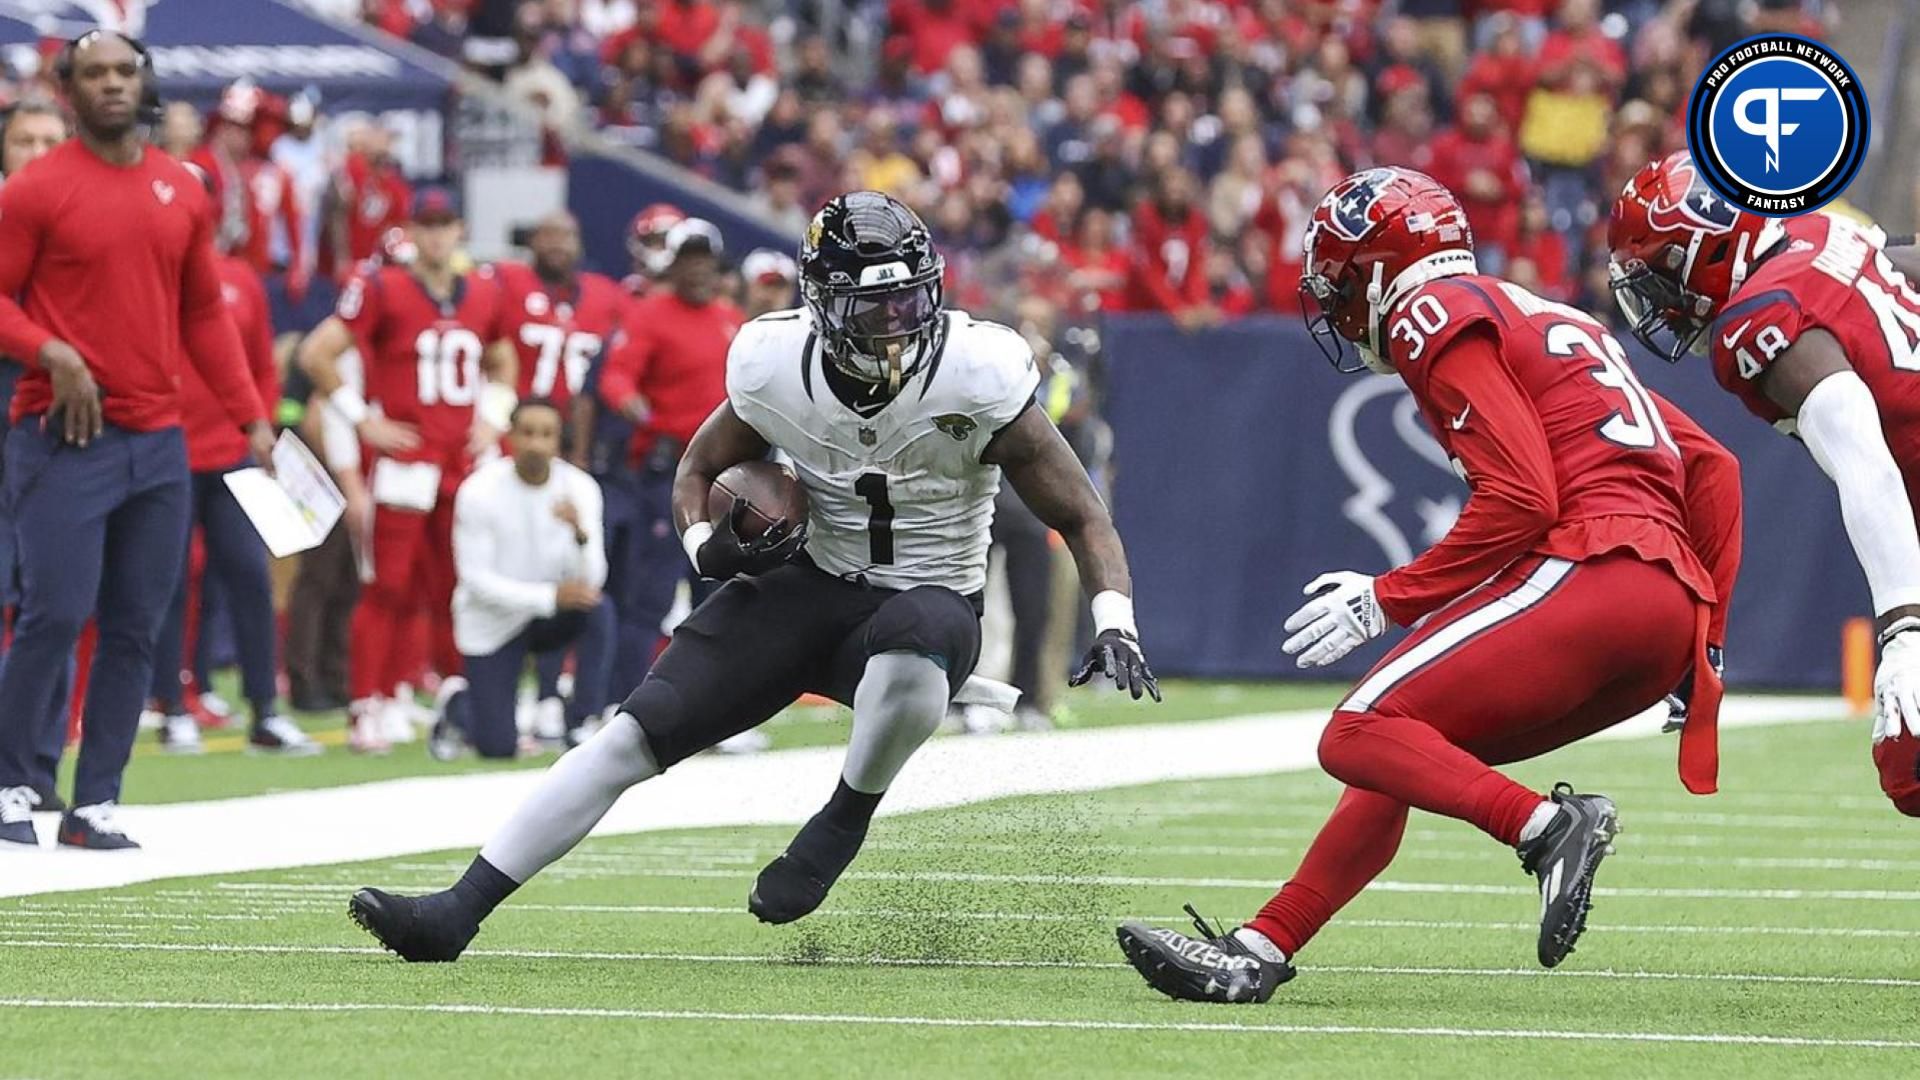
(107, 244)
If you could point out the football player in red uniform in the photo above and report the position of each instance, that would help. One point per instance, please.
(1569, 596)
(1813, 327)
(439, 390)
(647, 244)
(557, 316)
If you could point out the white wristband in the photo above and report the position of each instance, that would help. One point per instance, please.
(1113, 610)
(496, 405)
(691, 540)
(347, 404)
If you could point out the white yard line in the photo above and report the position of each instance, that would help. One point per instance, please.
(1024, 1023)
(399, 817)
(762, 959)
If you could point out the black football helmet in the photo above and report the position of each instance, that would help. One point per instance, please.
(873, 283)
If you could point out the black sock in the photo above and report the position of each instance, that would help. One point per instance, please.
(850, 809)
(482, 888)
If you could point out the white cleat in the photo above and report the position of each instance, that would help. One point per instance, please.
(366, 728)
(550, 720)
(180, 734)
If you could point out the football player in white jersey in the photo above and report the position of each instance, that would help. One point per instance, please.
(900, 418)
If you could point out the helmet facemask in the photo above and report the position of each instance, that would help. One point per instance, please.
(881, 335)
(1668, 318)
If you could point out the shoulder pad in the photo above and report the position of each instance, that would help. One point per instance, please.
(1421, 325)
(761, 346)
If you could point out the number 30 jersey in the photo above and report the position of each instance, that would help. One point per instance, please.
(422, 354)
(1566, 453)
(900, 497)
(1831, 275)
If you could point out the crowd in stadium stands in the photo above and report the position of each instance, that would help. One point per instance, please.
(1163, 154)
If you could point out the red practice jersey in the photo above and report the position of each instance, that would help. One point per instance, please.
(1832, 276)
(558, 330)
(422, 355)
(1566, 453)
(214, 441)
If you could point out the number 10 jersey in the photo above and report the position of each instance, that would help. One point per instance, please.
(422, 354)
(900, 498)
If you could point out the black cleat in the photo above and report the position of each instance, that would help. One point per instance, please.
(94, 828)
(418, 929)
(1215, 967)
(797, 882)
(1564, 857)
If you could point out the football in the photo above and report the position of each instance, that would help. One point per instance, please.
(772, 492)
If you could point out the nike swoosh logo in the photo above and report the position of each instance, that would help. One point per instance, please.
(1460, 421)
(1732, 339)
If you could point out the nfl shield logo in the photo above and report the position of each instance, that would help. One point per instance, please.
(868, 437)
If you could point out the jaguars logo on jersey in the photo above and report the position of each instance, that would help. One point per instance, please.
(957, 425)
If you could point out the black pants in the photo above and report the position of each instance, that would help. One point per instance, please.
(759, 643)
(318, 614)
(1030, 587)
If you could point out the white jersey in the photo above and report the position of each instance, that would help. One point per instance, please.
(900, 498)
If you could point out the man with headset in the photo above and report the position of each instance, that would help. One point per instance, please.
(106, 243)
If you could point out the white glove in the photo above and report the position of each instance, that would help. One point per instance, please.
(1342, 616)
(1896, 685)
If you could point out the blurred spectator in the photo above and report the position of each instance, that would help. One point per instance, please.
(370, 197)
(934, 29)
(1406, 127)
(533, 77)
(779, 196)
(1503, 70)
(1097, 268)
(1237, 192)
(181, 130)
(1479, 162)
(1170, 251)
(301, 154)
(1538, 253)
(883, 167)
(255, 196)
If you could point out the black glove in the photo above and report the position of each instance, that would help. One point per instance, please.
(1116, 653)
(1681, 699)
(725, 554)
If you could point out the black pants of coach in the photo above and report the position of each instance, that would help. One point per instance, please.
(237, 559)
(493, 680)
(102, 532)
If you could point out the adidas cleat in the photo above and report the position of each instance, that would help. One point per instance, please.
(417, 929)
(1215, 967)
(1564, 858)
(797, 882)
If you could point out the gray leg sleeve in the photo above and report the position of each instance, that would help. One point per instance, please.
(574, 795)
(901, 699)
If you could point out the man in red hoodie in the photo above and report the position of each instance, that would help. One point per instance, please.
(667, 374)
(107, 241)
(1170, 241)
(236, 556)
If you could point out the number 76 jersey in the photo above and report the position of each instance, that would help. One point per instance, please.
(901, 497)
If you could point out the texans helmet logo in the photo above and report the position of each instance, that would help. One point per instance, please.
(1701, 209)
(1352, 205)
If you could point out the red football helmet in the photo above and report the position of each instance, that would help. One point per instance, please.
(647, 237)
(1679, 250)
(1377, 236)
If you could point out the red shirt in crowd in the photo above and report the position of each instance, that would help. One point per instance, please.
(213, 441)
(1548, 254)
(376, 198)
(936, 27)
(1506, 79)
(118, 263)
(673, 356)
(1086, 269)
(1456, 156)
(1563, 49)
(1169, 260)
(558, 330)
(261, 194)
(685, 25)
(422, 354)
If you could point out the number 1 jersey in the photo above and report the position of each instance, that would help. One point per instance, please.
(422, 354)
(900, 498)
(1566, 453)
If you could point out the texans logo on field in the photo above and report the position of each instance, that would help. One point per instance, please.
(958, 425)
(1406, 493)
(1353, 208)
(1701, 207)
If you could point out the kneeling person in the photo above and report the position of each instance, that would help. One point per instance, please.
(530, 560)
(899, 418)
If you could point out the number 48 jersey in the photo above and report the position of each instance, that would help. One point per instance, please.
(422, 354)
(1490, 365)
(1831, 275)
(901, 497)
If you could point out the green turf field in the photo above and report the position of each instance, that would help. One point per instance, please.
(1771, 931)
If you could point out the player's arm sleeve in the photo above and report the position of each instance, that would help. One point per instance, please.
(1713, 508)
(475, 560)
(211, 339)
(21, 228)
(1515, 498)
(1840, 423)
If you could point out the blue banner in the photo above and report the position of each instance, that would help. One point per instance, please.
(1245, 466)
